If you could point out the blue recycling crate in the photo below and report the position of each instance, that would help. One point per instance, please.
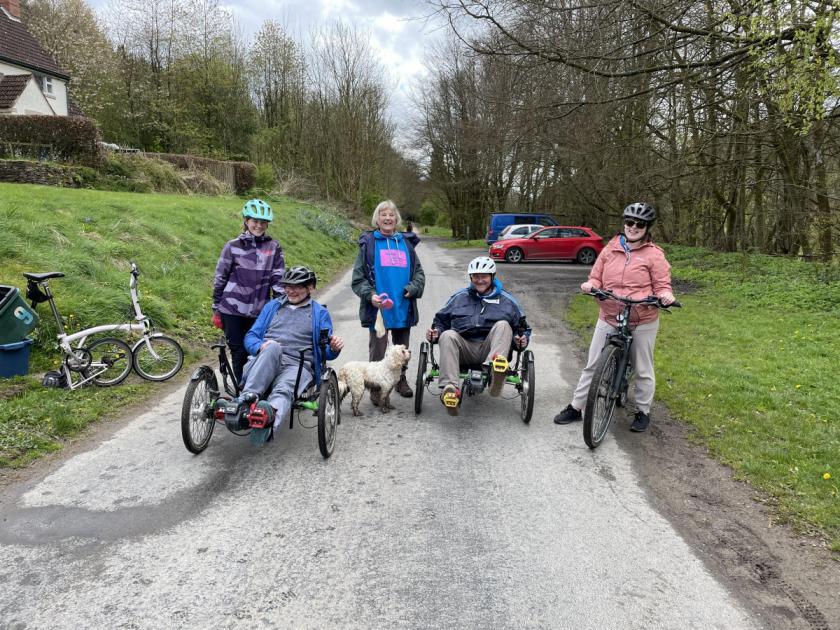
(14, 358)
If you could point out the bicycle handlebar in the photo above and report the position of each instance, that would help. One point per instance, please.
(651, 300)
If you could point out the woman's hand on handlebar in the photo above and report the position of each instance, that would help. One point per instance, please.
(586, 287)
(667, 298)
(432, 334)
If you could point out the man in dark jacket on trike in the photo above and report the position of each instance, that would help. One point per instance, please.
(477, 325)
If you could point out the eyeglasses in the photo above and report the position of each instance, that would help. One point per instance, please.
(634, 223)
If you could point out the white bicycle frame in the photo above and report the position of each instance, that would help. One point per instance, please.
(65, 341)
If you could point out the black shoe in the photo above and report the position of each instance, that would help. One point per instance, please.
(640, 422)
(569, 414)
(236, 411)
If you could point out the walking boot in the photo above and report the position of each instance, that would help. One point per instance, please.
(403, 388)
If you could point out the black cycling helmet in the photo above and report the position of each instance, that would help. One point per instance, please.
(299, 275)
(640, 210)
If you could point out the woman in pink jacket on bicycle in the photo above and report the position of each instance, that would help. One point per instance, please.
(631, 265)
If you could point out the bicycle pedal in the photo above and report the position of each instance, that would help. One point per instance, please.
(500, 363)
(258, 417)
(451, 399)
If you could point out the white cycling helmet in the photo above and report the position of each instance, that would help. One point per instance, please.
(482, 264)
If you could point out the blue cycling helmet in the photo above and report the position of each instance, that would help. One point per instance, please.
(257, 209)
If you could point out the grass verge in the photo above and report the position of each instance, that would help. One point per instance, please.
(750, 363)
(91, 236)
(465, 244)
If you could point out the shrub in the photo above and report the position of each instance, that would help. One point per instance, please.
(244, 176)
(264, 180)
(70, 139)
(326, 223)
(428, 214)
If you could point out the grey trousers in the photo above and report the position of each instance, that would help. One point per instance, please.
(455, 350)
(641, 356)
(271, 372)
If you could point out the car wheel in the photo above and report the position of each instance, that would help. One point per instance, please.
(513, 255)
(586, 256)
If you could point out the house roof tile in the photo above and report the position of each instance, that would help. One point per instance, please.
(18, 46)
(11, 87)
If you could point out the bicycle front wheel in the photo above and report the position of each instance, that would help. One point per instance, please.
(329, 414)
(110, 362)
(157, 358)
(197, 420)
(600, 402)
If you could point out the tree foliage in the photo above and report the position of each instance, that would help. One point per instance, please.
(723, 114)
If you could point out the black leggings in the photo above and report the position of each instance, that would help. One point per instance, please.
(235, 327)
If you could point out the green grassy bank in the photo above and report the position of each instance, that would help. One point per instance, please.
(751, 364)
(91, 236)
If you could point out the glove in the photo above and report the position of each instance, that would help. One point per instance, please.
(216, 319)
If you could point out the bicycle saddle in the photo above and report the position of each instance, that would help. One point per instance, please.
(40, 277)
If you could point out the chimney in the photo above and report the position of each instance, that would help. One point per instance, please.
(12, 7)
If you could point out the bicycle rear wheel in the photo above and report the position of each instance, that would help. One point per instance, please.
(110, 362)
(157, 358)
(601, 400)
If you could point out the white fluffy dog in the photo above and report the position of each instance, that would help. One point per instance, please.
(382, 375)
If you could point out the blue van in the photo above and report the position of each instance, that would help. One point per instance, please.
(499, 221)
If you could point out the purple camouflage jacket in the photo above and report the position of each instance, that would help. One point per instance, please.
(248, 267)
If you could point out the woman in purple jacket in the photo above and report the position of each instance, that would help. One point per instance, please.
(249, 270)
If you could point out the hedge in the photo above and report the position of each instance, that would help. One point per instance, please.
(71, 139)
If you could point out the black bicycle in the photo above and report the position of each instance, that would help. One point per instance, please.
(613, 370)
(200, 413)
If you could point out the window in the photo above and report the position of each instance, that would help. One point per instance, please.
(46, 84)
(549, 233)
(574, 233)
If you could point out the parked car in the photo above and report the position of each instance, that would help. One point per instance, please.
(552, 243)
(519, 231)
(501, 220)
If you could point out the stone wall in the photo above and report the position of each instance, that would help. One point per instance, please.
(25, 172)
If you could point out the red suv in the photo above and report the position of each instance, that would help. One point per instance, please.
(551, 243)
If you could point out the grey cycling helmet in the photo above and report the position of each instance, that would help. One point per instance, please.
(641, 211)
(299, 275)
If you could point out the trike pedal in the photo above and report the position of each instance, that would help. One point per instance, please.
(500, 363)
(259, 417)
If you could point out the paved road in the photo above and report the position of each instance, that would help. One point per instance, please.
(415, 522)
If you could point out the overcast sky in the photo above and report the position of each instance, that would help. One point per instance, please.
(399, 29)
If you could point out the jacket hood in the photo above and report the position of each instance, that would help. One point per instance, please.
(617, 243)
(494, 292)
(409, 237)
(247, 237)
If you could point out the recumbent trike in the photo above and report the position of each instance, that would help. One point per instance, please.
(200, 413)
(475, 377)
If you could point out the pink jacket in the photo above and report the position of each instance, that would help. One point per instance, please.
(636, 274)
